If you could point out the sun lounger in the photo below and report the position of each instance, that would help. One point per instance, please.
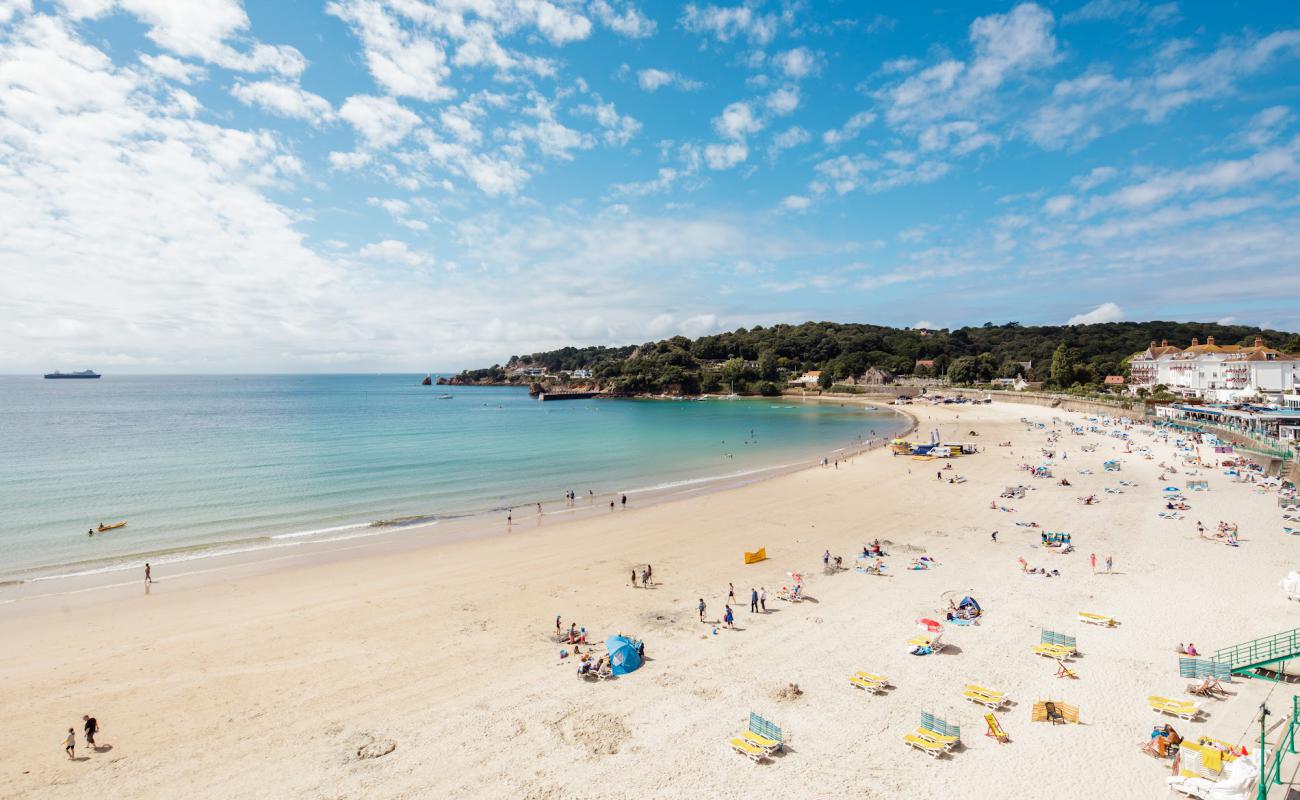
(944, 740)
(982, 690)
(770, 745)
(1056, 651)
(751, 751)
(871, 676)
(932, 749)
(867, 684)
(984, 700)
(1096, 619)
(1178, 708)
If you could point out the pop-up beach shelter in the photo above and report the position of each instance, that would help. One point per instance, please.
(624, 657)
(969, 602)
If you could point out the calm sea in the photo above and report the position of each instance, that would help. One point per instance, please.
(210, 464)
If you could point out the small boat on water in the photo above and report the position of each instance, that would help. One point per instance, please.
(428, 379)
(444, 397)
(114, 526)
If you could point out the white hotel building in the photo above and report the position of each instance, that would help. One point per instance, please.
(1218, 373)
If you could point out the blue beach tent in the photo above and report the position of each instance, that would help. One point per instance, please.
(624, 657)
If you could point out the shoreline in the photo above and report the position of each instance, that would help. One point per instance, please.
(423, 671)
(246, 556)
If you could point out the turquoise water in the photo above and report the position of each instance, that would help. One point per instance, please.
(229, 462)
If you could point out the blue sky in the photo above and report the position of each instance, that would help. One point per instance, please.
(358, 185)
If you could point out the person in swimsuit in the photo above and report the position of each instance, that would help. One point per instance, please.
(148, 573)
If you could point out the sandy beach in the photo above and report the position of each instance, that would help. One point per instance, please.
(434, 672)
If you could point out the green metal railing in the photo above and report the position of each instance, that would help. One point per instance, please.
(1243, 658)
(1270, 774)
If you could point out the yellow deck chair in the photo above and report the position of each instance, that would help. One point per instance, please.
(971, 687)
(1097, 619)
(875, 687)
(995, 729)
(932, 749)
(749, 750)
(758, 555)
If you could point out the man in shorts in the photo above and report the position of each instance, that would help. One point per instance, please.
(92, 728)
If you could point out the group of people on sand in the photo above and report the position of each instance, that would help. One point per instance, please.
(574, 636)
(90, 726)
(647, 575)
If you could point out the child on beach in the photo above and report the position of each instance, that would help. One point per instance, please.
(70, 744)
(702, 607)
(728, 617)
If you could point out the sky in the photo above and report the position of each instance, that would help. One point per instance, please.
(412, 185)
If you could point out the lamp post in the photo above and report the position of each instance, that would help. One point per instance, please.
(1263, 754)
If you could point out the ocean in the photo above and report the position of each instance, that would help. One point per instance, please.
(202, 465)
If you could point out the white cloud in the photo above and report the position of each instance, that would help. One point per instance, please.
(788, 139)
(402, 61)
(348, 162)
(1005, 46)
(726, 23)
(204, 31)
(173, 69)
(393, 251)
(849, 130)
(284, 99)
(797, 63)
(1096, 177)
(619, 129)
(1266, 126)
(725, 155)
(628, 22)
(783, 101)
(1185, 80)
(9, 9)
(1060, 204)
(654, 79)
(1106, 312)
(737, 121)
(381, 121)
(796, 202)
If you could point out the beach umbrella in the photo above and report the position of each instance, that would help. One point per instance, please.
(796, 577)
(929, 625)
(624, 655)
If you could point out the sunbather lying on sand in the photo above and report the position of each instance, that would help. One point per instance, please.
(1161, 738)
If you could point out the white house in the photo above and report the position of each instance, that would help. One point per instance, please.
(1223, 373)
(808, 378)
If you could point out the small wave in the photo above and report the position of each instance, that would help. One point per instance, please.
(319, 531)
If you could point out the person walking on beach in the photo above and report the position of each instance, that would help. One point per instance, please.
(731, 592)
(702, 607)
(753, 600)
(1109, 564)
(1092, 559)
(70, 744)
(762, 599)
(148, 573)
(624, 501)
(92, 728)
(728, 617)
(649, 574)
(558, 629)
(634, 577)
(995, 537)
(645, 578)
